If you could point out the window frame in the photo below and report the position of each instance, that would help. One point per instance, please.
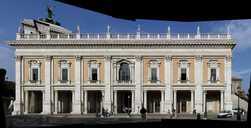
(64, 64)
(154, 64)
(34, 64)
(128, 76)
(93, 65)
(213, 64)
(184, 64)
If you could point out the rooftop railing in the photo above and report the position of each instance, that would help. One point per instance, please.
(123, 36)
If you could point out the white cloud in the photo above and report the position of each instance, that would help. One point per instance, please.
(241, 73)
(241, 32)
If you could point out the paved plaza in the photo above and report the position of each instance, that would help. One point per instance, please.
(66, 119)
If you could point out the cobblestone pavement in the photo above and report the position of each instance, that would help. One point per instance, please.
(26, 121)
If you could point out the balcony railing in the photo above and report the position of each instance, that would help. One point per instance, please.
(183, 81)
(93, 82)
(124, 82)
(154, 82)
(123, 36)
(63, 82)
(33, 82)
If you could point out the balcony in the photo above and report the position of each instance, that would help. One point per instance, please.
(63, 82)
(93, 82)
(124, 82)
(184, 83)
(154, 83)
(213, 83)
(33, 83)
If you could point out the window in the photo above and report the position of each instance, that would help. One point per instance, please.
(94, 74)
(183, 74)
(153, 74)
(124, 72)
(64, 74)
(34, 74)
(213, 75)
(34, 71)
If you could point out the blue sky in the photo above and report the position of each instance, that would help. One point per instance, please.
(12, 12)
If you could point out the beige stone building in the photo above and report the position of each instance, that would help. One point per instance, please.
(58, 71)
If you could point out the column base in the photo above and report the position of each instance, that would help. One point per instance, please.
(46, 108)
(168, 107)
(76, 109)
(228, 106)
(17, 108)
(199, 107)
(107, 106)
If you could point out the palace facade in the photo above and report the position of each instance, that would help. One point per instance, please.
(59, 71)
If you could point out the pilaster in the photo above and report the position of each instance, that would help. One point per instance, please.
(198, 81)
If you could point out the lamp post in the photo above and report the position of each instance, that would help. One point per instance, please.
(238, 112)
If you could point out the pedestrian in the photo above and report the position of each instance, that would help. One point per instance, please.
(143, 113)
(194, 112)
(2, 113)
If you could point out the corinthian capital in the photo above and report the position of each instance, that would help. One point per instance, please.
(78, 57)
(107, 58)
(138, 58)
(228, 58)
(48, 58)
(198, 58)
(168, 58)
(18, 58)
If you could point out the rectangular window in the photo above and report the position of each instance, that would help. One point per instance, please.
(153, 74)
(213, 75)
(183, 74)
(94, 74)
(34, 74)
(64, 74)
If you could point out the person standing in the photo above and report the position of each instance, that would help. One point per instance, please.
(2, 113)
(143, 113)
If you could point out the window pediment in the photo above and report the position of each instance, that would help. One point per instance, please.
(124, 61)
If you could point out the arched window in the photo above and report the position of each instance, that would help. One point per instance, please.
(124, 72)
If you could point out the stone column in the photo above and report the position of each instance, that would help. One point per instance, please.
(76, 108)
(162, 102)
(133, 101)
(138, 83)
(17, 102)
(26, 102)
(56, 102)
(192, 99)
(204, 101)
(145, 99)
(175, 100)
(115, 102)
(47, 91)
(198, 82)
(85, 100)
(168, 89)
(228, 81)
(107, 73)
(221, 100)
(102, 100)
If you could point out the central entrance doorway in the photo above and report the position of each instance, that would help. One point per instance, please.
(35, 101)
(153, 101)
(124, 101)
(184, 101)
(94, 101)
(213, 101)
(64, 101)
